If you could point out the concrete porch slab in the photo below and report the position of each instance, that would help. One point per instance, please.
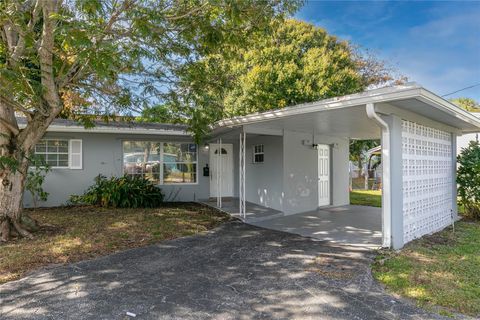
(255, 212)
(349, 225)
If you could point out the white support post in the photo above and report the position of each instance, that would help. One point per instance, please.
(240, 176)
(392, 180)
(244, 177)
(221, 173)
(217, 172)
(454, 177)
(396, 181)
(241, 172)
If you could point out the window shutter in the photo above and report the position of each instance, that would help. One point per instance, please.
(75, 154)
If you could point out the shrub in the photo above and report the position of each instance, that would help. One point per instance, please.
(35, 178)
(468, 179)
(123, 192)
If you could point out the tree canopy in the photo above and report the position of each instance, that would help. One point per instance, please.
(77, 57)
(296, 62)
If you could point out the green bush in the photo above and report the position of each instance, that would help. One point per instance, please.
(468, 179)
(124, 192)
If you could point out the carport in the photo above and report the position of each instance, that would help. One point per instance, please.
(359, 226)
(295, 161)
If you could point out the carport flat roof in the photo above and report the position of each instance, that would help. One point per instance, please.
(410, 98)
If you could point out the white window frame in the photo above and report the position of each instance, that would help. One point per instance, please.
(68, 153)
(161, 171)
(255, 153)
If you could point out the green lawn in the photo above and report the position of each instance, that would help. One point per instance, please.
(438, 270)
(72, 234)
(371, 198)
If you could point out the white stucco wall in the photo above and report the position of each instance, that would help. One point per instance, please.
(300, 172)
(103, 154)
(463, 141)
(265, 180)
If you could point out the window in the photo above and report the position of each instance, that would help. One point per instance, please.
(161, 163)
(142, 159)
(60, 153)
(223, 151)
(258, 155)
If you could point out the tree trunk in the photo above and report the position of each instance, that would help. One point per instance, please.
(13, 169)
(13, 221)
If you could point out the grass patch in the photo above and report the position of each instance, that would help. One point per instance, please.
(438, 270)
(371, 198)
(71, 234)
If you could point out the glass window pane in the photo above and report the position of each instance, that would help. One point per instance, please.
(52, 160)
(63, 146)
(52, 146)
(179, 152)
(259, 157)
(142, 157)
(41, 146)
(179, 173)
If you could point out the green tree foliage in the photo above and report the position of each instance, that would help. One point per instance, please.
(75, 57)
(35, 179)
(467, 104)
(358, 149)
(296, 63)
(468, 179)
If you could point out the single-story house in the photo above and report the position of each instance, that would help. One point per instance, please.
(290, 161)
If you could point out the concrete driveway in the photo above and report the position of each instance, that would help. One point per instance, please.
(352, 225)
(237, 271)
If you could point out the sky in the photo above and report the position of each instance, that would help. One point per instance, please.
(433, 43)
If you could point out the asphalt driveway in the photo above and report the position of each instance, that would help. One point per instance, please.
(237, 271)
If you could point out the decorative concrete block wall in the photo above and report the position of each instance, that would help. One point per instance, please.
(427, 179)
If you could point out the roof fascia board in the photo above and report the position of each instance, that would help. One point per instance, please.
(263, 131)
(440, 103)
(339, 103)
(359, 99)
(78, 129)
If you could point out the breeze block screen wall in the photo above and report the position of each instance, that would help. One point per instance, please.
(427, 179)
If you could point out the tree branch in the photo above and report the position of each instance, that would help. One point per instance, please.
(187, 14)
(45, 53)
(20, 47)
(15, 105)
(10, 126)
(76, 68)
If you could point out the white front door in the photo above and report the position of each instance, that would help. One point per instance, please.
(323, 175)
(221, 169)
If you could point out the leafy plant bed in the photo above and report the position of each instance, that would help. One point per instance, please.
(442, 269)
(71, 234)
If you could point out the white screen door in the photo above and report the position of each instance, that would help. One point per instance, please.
(323, 175)
(226, 169)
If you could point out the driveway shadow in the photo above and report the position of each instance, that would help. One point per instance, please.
(236, 271)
